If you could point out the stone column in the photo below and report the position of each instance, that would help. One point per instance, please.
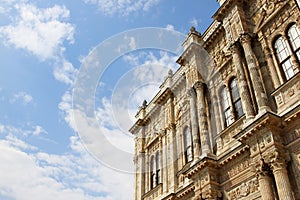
(141, 174)
(147, 172)
(242, 83)
(260, 94)
(264, 180)
(202, 118)
(217, 114)
(194, 123)
(269, 57)
(173, 159)
(282, 180)
(165, 165)
(265, 186)
(173, 148)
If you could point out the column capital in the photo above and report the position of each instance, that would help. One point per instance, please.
(211, 193)
(278, 165)
(245, 38)
(260, 168)
(199, 85)
(234, 48)
(191, 93)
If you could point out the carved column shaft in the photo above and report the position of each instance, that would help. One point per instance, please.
(202, 118)
(260, 95)
(165, 164)
(173, 159)
(282, 181)
(147, 172)
(243, 88)
(271, 65)
(265, 186)
(195, 128)
(216, 111)
(171, 146)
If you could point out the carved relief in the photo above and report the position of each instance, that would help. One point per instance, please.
(236, 169)
(292, 136)
(211, 194)
(244, 189)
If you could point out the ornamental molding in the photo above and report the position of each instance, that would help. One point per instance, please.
(268, 12)
(243, 190)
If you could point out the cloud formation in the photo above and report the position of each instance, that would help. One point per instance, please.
(41, 31)
(123, 7)
(22, 97)
(72, 175)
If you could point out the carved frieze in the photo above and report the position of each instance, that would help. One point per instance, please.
(235, 169)
(244, 189)
(292, 136)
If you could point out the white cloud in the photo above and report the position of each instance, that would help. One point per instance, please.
(40, 31)
(129, 45)
(123, 7)
(22, 97)
(72, 175)
(38, 130)
(170, 27)
(65, 72)
(35, 130)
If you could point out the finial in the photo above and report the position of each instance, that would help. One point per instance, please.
(144, 105)
(170, 73)
(192, 29)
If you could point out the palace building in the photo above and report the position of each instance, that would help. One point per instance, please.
(226, 124)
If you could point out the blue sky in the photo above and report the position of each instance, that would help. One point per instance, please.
(51, 141)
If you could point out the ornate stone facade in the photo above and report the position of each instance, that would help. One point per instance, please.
(226, 124)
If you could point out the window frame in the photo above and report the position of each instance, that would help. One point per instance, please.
(231, 102)
(188, 145)
(291, 47)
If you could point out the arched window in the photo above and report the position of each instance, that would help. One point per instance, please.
(231, 101)
(158, 181)
(294, 38)
(286, 49)
(226, 107)
(236, 100)
(152, 172)
(188, 148)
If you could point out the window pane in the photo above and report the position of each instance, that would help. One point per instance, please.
(238, 109)
(158, 177)
(294, 36)
(189, 155)
(228, 118)
(225, 99)
(281, 49)
(234, 90)
(188, 152)
(298, 54)
(288, 69)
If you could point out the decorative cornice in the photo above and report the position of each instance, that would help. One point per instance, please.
(222, 11)
(267, 120)
(185, 191)
(167, 94)
(234, 155)
(201, 164)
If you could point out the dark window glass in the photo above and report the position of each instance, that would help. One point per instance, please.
(188, 151)
(236, 99)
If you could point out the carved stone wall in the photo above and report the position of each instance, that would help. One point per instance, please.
(257, 156)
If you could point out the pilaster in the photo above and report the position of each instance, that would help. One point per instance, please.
(282, 180)
(243, 88)
(202, 118)
(264, 180)
(251, 60)
(195, 129)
